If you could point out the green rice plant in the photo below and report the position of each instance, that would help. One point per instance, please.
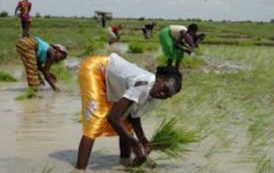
(171, 140)
(5, 77)
(62, 72)
(92, 46)
(263, 164)
(28, 94)
(192, 62)
(135, 47)
(151, 46)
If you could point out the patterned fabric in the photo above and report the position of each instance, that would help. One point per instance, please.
(26, 49)
(95, 106)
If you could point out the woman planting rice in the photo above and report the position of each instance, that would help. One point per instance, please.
(37, 55)
(115, 93)
(177, 39)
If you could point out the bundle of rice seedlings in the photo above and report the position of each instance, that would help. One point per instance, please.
(5, 77)
(171, 140)
(28, 94)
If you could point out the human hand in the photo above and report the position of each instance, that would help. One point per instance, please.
(140, 153)
(145, 142)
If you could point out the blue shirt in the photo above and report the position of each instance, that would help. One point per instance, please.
(41, 53)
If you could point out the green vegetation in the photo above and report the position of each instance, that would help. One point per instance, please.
(28, 94)
(5, 77)
(171, 139)
(135, 47)
(62, 73)
(4, 14)
(228, 88)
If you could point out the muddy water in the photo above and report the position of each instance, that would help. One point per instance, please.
(41, 132)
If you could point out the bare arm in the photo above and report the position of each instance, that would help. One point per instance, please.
(46, 71)
(137, 126)
(114, 118)
(16, 9)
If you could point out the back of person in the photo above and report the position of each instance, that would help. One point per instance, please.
(122, 75)
(116, 29)
(176, 31)
(41, 53)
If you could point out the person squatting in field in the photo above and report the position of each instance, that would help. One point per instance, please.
(177, 39)
(24, 6)
(37, 55)
(115, 94)
(114, 33)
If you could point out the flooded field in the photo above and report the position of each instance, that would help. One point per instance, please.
(227, 97)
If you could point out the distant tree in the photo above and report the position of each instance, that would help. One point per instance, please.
(210, 20)
(272, 21)
(141, 18)
(4, 14)
(47, 16)
(37, 15)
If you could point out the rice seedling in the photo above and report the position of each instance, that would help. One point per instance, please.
(62, 73)
(5, 77)
(171, 140)
(28, 94)
(135, 47)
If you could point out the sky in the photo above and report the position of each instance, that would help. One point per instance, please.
(235, 10)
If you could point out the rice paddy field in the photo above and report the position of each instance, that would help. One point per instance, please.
(227, 98)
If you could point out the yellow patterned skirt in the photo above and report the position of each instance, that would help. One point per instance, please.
(26, 49)
(95, 106)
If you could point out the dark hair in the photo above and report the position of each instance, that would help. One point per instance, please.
(192, 27)
(171, 72)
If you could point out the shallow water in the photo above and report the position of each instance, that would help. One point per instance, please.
(42, 132)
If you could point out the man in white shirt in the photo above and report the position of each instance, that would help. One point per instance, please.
(115, 93)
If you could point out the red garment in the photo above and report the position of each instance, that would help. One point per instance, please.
(115, 29)
(25, 8)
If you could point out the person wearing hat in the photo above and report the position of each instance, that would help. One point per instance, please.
(37, 55)
(177, 39)
(115, 94)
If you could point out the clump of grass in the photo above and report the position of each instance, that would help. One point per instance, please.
(192, 62)
(135, 47)
(62, 72)
(5, 77)
(151, 47)
(28, 94)
(92, 46)
(171, 140)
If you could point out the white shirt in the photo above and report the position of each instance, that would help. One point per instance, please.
(121, 79)
(176, 31)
